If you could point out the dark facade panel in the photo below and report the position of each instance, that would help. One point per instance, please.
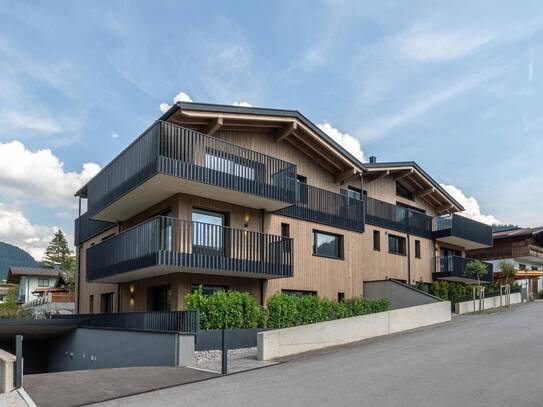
(463, 228)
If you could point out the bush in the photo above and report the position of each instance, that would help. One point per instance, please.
(9, 309)
(226, 309)
(289, 310)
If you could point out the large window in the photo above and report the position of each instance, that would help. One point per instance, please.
(354, 192)
(396, 245)
(208, 233)
(106, 303)
(404, 192)
(159, 298)
(209, 289)
(231, 165)
(327, 245)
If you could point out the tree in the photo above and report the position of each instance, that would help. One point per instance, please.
(9, 309)
(508, 270)
(58, 252)
(476, 268)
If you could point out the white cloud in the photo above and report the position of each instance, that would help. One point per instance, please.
(435, 45)
(39, 176)
(242, 104)
(28, 120)
(348, 142)
(471, 206)
(114, 135)
(180, 97)
(16, 229)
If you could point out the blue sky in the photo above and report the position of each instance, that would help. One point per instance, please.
(454, 87)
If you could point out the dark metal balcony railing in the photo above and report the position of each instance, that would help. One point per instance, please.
(326, 207)
(166, 321)
(386, 215)
(180, 152)
(164, 241)
(463, 228)
(89, 228)
(455, 266)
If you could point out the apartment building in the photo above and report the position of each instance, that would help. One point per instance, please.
(259, 200)
(523, 248)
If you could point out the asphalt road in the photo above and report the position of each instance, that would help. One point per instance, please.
(476, 360)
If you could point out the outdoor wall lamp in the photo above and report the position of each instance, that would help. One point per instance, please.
(247, 219)
(132, 290)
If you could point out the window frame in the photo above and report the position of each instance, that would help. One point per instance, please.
(418, 249)
(403, 246)
(340, 245)
(41, 285)
(377, 242)
(298, 293)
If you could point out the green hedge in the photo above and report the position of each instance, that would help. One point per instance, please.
(289, 310)
(232, 309)
(226, 309)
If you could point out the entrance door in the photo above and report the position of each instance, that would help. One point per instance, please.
(159, 298)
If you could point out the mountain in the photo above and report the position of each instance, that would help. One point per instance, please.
(14, 256)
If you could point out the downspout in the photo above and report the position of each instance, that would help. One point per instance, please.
(408, 260)
(262, 213)
(79, 258)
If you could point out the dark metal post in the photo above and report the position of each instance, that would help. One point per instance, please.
(18, 361)
(224, 369)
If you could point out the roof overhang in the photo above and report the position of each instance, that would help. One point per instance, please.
(424, 186)
(287, 126)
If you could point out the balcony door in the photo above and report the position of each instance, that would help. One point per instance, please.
(208, 232)
(446, 259)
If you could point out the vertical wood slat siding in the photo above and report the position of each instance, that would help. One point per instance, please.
(384, 214)
(455, 266)
(181, 152)
(462, 227)
(186, 244)
(326, 207)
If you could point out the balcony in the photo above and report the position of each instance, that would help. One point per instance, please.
(326, 207)
(453, 268)
(524, 252)
(165, 245)
(86, 228)
(463, 232)
(167, 159)
(386, 215)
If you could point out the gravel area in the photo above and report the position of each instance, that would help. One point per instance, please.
(214, 355)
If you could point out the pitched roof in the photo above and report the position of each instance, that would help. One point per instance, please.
(518, 232)
(32, 271)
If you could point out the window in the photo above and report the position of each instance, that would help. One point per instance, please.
(396, 245)
(106, 303)
(209, 289)
(354, 192)
(208, 233)
(340, 297)
(327, 245)
(43, 282)
(231, 165)
(534, 268)
(402, 191)
(159, 298)
(285, 230)
(417, 249)
(377, 240)
(301, 179)
(413, 208)
(91, 304)
(522, 266)
(298, 293)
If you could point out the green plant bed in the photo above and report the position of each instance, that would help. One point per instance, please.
(233, 309)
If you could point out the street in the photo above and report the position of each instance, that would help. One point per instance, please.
(493, 359)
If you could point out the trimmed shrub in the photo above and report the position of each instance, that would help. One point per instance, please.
(289, 310)
(226, 309)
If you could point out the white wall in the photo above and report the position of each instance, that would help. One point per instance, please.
(489, 303)
(290, 341)
(29, 283)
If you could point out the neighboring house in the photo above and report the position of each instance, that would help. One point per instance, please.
(54, 300)
(258, 200)
(31, 280)
(522, 247)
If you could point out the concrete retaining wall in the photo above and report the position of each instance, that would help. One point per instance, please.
(400, 295)
(492, 302)
(290, 341)
(95, 348)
